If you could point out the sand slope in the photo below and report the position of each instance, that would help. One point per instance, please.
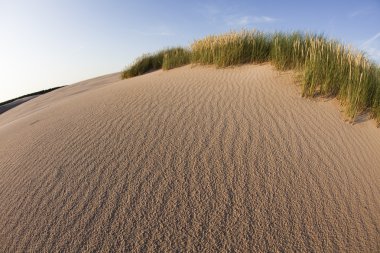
(193, 159)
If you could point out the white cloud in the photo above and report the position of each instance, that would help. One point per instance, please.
(209, 12)
(162, 33)
(248, 20)
(372, 39)
(360, 12)
(231, 17)
(372, 47)
(159, 30)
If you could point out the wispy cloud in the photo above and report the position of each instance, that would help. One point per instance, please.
(372, 39)
(157, 33)
(159, 30)
(231, 17)
(360, 12)
(372, 47)
(248, 20)
(209, 12)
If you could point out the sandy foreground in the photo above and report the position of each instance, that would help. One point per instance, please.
(194, 159)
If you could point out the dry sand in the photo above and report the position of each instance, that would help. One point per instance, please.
(189, 160)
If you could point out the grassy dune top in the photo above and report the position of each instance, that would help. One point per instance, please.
(327, 67)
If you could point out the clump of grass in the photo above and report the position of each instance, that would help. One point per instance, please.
(233, 48)
(333, 69)
(376, 98)
(144, 64)
(288, 50)
(176, 57)
(330, 68)
(166, 59)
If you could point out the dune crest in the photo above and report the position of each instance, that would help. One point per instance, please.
(193, 159)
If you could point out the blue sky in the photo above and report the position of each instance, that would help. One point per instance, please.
(50, 43)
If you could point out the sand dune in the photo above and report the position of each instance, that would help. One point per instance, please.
(190, 160)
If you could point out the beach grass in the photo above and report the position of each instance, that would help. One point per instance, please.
(176, 57)
(144, 64)
(232, 49)
(163, 59)
(327, 67)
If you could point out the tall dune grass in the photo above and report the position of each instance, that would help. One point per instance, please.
(176, 57)
(232, 49)
(144, 64)
(166, 59)
(328, 67)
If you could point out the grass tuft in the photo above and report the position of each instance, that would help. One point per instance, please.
(144, 64)
(233, 48)
(164, 59)
(176, 57)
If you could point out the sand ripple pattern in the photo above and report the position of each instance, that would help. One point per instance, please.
(195, 159)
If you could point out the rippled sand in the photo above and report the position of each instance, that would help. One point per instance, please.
(188, 160)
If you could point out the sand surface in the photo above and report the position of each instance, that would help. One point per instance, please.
(189, 160)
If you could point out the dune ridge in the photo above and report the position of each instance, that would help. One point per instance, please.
(194, 159)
